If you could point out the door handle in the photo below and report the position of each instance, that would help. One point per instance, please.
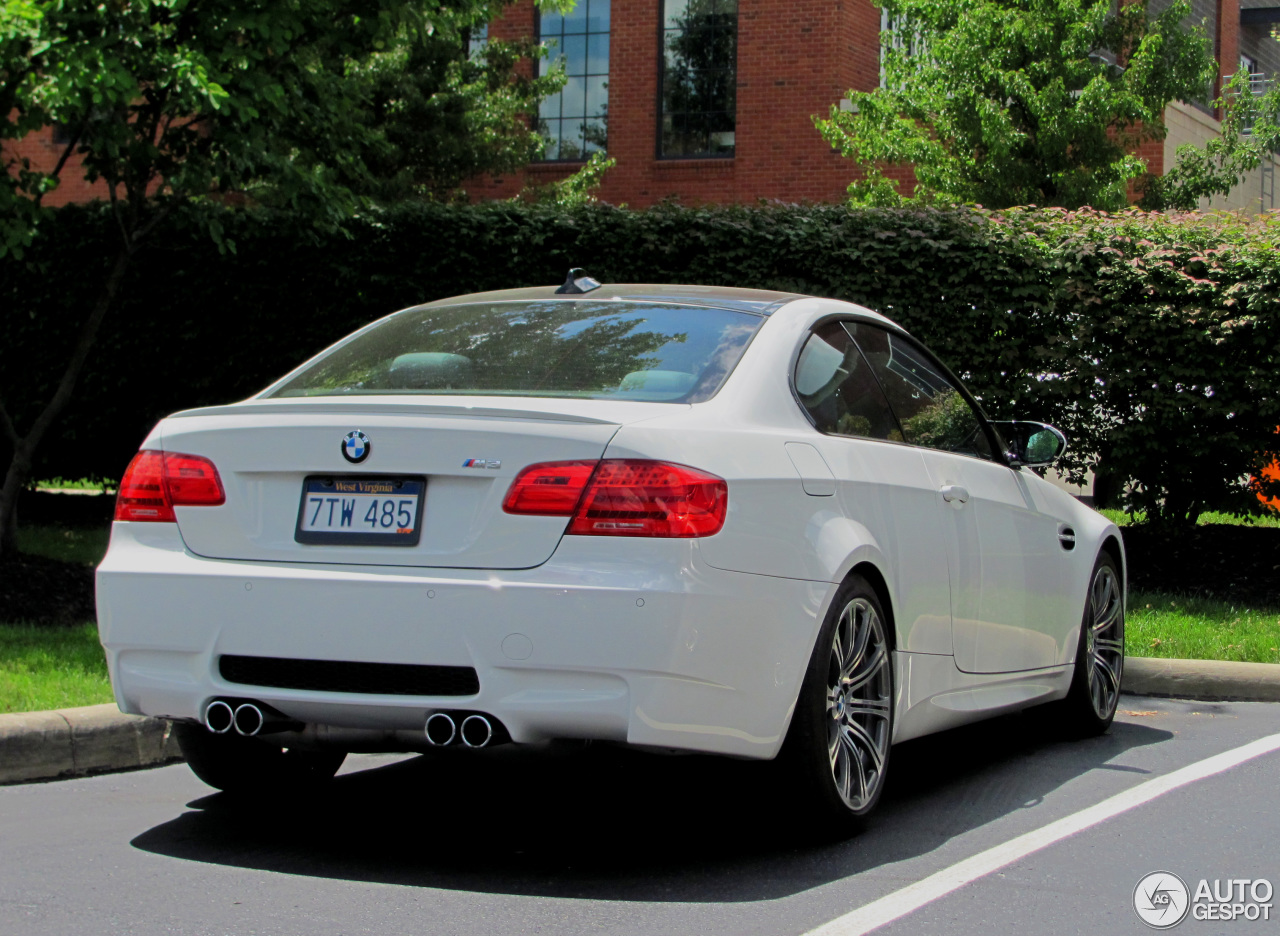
(954, 493)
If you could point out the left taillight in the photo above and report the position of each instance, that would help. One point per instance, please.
(156, 482)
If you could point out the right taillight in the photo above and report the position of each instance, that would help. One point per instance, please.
(156, 482)
(622, 497)
(634, 497)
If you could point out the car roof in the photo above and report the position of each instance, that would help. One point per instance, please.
(758, 301)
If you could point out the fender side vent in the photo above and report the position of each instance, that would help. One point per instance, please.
(1067, 538)
(338, 676)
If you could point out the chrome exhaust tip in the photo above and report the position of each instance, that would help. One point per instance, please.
(218, 717)
(248, 720)
(441, 730)
(476, 731)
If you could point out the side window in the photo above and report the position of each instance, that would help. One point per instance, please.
(836, 386)
(931, 411)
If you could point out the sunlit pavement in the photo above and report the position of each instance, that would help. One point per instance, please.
(584, 840)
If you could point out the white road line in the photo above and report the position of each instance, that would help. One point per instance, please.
(913, 897)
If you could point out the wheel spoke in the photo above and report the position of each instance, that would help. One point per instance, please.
(877, 708)
(879, 659)
(846, 765)
(1112, 684)
(861, 637)
(866, 742)
(837, 646)
(855, 761)
(1108, 617)
(1109, 644)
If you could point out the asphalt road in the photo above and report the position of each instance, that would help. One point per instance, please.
(584, 841)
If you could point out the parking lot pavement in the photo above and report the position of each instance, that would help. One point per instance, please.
(573, 840)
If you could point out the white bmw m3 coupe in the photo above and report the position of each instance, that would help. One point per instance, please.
(681, 517)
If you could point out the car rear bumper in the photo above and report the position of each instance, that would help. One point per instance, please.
(621, 639)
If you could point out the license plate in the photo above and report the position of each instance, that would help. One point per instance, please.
(361, 511)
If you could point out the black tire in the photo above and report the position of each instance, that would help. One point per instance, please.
(837, 748)
(1090, 705)
(241, 765)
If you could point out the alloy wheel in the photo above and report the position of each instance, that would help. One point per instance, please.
(1104, 641)
(858, 704)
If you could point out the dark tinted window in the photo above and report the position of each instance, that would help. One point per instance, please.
(838, 389)
(699, 77)
(586, 348)
(931, 411)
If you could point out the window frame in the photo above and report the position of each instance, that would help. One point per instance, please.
(1000, 451)
(662, 73)
(538, 66)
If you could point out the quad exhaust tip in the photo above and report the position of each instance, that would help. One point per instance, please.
(476, 731)
(441, 729)
(248, 719)
(473, 730)
(218, 717)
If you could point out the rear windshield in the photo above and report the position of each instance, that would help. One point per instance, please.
(602, 349)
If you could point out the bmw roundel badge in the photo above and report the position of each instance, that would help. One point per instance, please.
(356, 446)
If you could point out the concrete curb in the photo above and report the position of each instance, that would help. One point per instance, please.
(1206, 680)
(77, 741)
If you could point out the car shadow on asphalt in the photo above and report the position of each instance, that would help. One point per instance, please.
(609, 823)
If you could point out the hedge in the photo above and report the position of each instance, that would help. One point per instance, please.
(1151, 340)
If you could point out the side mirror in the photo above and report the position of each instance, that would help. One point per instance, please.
(1032, 444)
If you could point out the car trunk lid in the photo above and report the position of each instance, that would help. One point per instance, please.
(467, 454)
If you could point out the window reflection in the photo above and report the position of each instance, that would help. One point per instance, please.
(931, 411)
(699, 77)
(574, 121)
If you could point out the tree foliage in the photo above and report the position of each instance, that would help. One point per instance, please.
(289, 104)
(444, 115)
(1020, 102)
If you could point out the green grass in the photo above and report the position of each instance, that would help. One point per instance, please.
(78, 484)
(67, 544)
(50, 668)
(1163, 625)
(1120, 518)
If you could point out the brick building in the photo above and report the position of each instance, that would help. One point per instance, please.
(712, 100)
(794, 58)
(43, 149)
(635, 65)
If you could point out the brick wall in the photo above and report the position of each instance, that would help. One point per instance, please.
(795, 59)
(43, 155)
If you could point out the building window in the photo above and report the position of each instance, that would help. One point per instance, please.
(574, 120)
(477, 40)
(898, 35)
(699, 78)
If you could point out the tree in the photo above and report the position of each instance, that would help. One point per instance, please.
(1250, 133)
(1017, 102)
(445, 116)
(171, 102)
